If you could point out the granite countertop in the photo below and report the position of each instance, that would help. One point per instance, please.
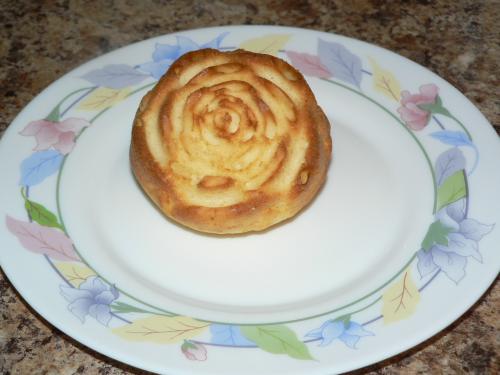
(40, 41)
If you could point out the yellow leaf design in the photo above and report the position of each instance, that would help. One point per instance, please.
(269, 44)
(75, 273)
(401, 299)
(385, 82)
(162, 329)
(102, 98)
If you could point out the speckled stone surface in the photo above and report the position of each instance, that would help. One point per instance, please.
(40, 41)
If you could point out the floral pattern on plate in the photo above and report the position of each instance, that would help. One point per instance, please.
(451, 241)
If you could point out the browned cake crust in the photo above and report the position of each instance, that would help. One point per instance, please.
(230, 142)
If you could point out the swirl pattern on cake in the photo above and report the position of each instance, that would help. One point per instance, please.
(230, 142)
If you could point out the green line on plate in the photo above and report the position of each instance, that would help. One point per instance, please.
(429, 163)
(461, 125)
(98, 115)
(73, 93)
(141, 88)
(338, 308)
(366, 307)
(169, 313)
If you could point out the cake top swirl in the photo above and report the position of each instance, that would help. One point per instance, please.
(229, 135)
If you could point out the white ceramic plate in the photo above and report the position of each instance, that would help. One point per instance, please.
(398, 244)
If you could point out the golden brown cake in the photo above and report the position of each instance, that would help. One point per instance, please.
(230, 142)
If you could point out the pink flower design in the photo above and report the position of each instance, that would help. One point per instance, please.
(415, 117)
(59, 135)
(194, 351)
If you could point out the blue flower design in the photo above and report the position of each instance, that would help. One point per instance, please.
(92, 297)
(463, 237)
(165, 54)
(347, 332)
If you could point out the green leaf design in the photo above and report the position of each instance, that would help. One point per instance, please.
(452, 189)
(436, 107)
(437, 233)
(277, 339)
(54, 115)
(40, 214)
(122, 307)
(187, 345)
